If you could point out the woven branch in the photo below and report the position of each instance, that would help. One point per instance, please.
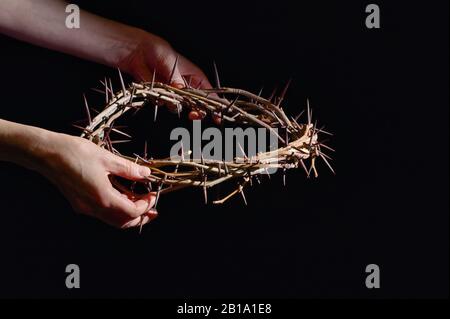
(300, 143)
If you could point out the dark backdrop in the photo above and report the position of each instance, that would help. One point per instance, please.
(384, 93)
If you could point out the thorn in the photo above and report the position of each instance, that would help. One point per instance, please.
(321, 130)
(87, 109)
(120, 142)
(141, 224)
(313, 167)
(145, 150)
(283, 93)
(241, 190)
(153, 79)
(182, 151)
(226, 168)
(185, 82)
(284, 176)
(173, 70)
(86, 131)
(298, 116)
(111, 89)
(260, 91)
(199, 84)
(216, 76)
(327, 147)
(120, 132)
(106, 90)
(205, 191)
(159, 190)
(97, 90)
(309, 112)
(312, 135)
(273, 94)
(328, 157)
(124, 90)
(328, 164)
(156, 113)
(242, 150)
(304, 167)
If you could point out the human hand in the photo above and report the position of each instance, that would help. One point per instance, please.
(80, 169)
(154, 54)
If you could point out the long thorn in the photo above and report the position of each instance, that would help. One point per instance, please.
(87, 109)
(173, 70)
(124, 90)
(216, 76)
(328, 164)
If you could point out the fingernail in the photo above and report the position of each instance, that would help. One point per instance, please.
(144, 171)
(178, 85)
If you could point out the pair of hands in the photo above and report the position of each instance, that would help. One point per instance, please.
(80, 169)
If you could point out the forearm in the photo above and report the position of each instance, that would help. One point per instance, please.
(43, 23)
(25, 145)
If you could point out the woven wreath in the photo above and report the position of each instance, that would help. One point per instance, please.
(300, 144)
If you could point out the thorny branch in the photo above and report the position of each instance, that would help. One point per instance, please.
(299, 144)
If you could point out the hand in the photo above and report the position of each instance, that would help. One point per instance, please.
(80, 169)
(153, 54)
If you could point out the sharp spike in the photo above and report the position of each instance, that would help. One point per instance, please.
(87, 109)
(111, 89)
(120, 142)
(241, 190)
(145, 150)
(120, 132)
(283, 93)
(273, 94)
(326, 162)
(156, 113)
(173, 70)
(216, 76)
(205, 191)
(304, 167)
(298, 116)
(159, 190)
(309, 112)
(260, 91)
(122, 83)
(327, 147)
(242, 150)
(199, 84)
(182, 151)
(153, 79)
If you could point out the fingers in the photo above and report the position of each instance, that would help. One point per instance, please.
(141, 220)
(197, 77)
(124, 213)
(126, 169)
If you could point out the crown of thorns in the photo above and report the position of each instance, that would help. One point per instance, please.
(300, 143)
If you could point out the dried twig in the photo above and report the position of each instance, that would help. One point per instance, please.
(300, 142)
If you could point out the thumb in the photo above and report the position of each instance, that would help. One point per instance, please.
(127, 169)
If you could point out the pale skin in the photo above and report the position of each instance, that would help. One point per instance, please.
(79, 168)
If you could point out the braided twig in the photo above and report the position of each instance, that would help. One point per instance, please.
(300, 143)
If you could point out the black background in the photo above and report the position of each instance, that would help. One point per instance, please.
(384, 93)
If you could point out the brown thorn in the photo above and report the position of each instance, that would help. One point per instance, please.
(216, 76)
(87, 109)
(122, 83)
(328, 164)
(173, 70)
